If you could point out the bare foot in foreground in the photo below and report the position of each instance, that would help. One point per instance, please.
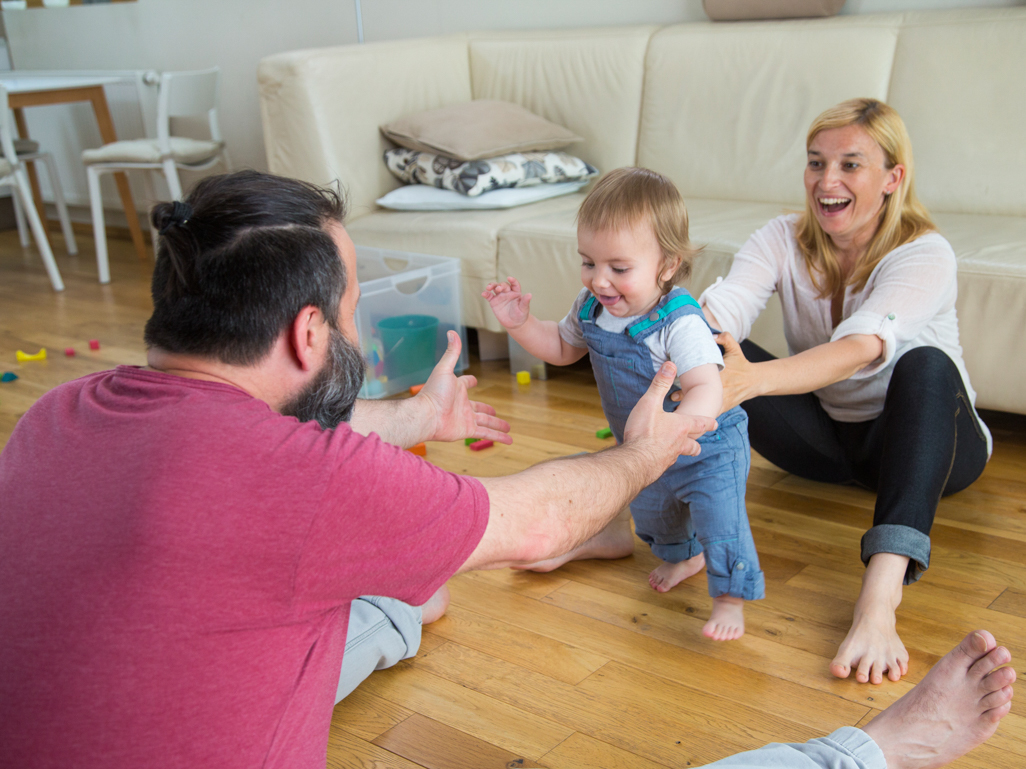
(727, 622)
(872, 646)
(435, 607)
(614, 541)
(667, 576)
(954, 708)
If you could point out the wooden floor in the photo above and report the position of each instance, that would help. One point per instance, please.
(587, 666)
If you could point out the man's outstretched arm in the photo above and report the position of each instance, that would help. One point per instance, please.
(553, 507)
(441, 411)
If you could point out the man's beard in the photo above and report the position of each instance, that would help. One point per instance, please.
(330, 397)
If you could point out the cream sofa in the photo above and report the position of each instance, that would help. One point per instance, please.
(722, 109)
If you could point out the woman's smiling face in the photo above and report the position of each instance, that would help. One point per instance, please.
(846, 182)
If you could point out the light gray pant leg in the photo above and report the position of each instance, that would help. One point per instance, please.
(847, 748)
(382, 631)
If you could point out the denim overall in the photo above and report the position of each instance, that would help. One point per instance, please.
(699, 502)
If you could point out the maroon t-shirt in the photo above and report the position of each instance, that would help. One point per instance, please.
(176, 567)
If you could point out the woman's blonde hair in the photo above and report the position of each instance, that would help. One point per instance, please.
(626, 197)
(903, 218)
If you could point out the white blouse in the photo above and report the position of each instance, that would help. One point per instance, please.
(908, 302)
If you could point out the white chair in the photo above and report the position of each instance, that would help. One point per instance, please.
(181, 94)
(27, 150)
(12, 174)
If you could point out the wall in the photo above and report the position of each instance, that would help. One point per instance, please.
(236, 34)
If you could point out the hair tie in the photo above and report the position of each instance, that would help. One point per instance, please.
(179, 216)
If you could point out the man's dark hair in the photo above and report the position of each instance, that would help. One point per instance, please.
(238, 259)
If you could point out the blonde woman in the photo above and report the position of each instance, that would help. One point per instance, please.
(875, 392)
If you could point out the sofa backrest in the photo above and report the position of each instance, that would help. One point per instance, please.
(588, 80)
(322, 107)
(727, 106)
(959, 83)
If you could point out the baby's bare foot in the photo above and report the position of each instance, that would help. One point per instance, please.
(956, 707)
(873, 647)
(435, 607)
(667, 576)
(614, 541)
(727, 622)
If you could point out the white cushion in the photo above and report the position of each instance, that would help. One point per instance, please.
(183, 150)
(727, 106)
(420, 197)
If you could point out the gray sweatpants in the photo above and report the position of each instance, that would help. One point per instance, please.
(383, 631)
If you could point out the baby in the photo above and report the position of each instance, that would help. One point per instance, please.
(632, 235)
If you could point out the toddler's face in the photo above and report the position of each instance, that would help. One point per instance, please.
(622, 268)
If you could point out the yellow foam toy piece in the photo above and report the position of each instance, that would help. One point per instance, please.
(523, 377)
(23, 357)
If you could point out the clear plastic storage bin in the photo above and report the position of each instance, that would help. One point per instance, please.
(407, 304)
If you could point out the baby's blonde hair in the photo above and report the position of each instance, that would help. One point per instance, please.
(627, 197)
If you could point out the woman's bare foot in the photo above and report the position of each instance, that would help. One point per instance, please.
(435, 607)
(727, 622)
(614, 541)
(667, 576)
(872, 646)
(954, 708)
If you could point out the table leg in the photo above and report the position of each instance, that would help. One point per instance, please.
(30, 167)
(108, 134)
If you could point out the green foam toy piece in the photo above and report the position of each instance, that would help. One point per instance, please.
(605, 432)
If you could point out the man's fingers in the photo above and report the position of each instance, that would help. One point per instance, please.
(483, 408)
(491, 424)
(493, 435)
(447, 363)
(729, 343)
(701, 425)
(467, 380)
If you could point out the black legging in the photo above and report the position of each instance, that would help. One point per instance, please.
(924, 445)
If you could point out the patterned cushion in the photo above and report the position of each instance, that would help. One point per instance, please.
(472, 177)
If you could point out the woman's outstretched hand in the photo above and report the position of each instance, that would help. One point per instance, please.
(739, 377)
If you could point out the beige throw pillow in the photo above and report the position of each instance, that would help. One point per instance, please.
(477, 129)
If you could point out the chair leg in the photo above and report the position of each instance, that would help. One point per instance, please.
(58, 199)
(99, 228)
(19, 218)
(173, 183)
(151, 200)
(42, 242)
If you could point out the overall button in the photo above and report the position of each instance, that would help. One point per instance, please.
(891, 316)
(654, 317)
(740, 566)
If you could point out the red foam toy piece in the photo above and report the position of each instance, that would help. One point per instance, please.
(69, 351)
(481, 445)
(94, 344)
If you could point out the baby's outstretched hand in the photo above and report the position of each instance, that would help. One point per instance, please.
(511, 306)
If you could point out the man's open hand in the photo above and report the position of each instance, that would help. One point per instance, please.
(665, 435)
(451, 414)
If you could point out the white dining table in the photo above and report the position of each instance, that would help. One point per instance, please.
(41, 88)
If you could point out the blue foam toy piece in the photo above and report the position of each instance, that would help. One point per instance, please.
(8, 376)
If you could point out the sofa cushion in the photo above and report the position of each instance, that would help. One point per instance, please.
(542, 253)
(959, 85)
(727, 106)
(322, 107)
(474, 177)
(588, 80)
(471, 236)
(484, 128)
(991, 254)
(420, 197)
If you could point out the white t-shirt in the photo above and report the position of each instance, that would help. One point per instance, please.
(687, 341)
(908, 302)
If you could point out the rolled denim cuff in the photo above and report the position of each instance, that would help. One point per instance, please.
(743, 582)
(678, 551)
(900, 540)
